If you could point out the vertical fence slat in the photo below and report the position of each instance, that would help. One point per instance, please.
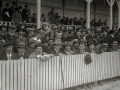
(11, 75)
(37, 74)
(3, 75)
(22, 74)
(26, 74)
(29, 75)
(0, 75)
(7, 75)
(15, 75)
(19, 75)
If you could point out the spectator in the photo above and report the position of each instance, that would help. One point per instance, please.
(43, 18)
(20, 10)
(25, 13)
(57, 18)
(21, 54)
(6, 13)
(16, 17)
(3, 29)
(51, 15)
(34, 18)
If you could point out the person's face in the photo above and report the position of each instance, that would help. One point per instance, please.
(72, 34)
(21, 32)
(21, 50)
(38, 35)
(32, 45)
(78, 33)
(57, 47)
(104, 33)
(9, 49)
(81, 47)
(59, 36)
(50, 42)
(11, 30)
(92, 46)
(114, 47)
(38, 50)
(98, 46)
(70, 42)
(4, 29)
(83, 33)
(67, 48)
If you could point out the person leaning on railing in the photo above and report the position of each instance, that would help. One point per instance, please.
(38, 53)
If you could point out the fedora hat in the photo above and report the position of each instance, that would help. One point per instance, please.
(32, 40)
(21, 45)
(56, 42)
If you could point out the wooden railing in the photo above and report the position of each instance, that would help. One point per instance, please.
(58, 72)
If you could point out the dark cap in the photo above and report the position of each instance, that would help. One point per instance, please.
(8, 44)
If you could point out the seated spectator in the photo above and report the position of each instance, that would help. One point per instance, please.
(2, 42)
(43, 18)
(7, 53)
(81, 49)
(56, 50)
(30, 33)
(38, 52)
(105, 47)
(21, 51)
(91, 47)
(3, 30)
(20, 37)
(117, 37)
(67, 50)
(98, 48)
(10, 36)
(113, 46)
(34, 18)
(31, 45)
(6, 13)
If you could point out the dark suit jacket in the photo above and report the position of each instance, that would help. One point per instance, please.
(17, 56)
(52, 51)
(110, 39)
(90, 38)
(118, 38)
(3, 56)
(18, 40)
(7, 37)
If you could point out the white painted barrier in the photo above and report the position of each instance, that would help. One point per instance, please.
(58, 72)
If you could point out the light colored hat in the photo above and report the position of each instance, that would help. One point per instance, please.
(56, 42)
(115, 43)
(21, 45)
(32, 40)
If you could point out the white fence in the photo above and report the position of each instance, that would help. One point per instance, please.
(58, 72)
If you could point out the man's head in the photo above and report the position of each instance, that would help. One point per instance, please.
(105, 46)
(3, 28)
(8, 47)
(12, 29)
(32, 42)
(26, 6)
(50, 42)
(82, 47)
(20, 32)
(38, 49)
(57, 45)
(7, 5)
(91, 45)
(21, 48)
(114, 45)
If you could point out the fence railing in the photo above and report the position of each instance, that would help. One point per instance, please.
(58, 72)
(49, 26)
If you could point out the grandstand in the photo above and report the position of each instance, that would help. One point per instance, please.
(59, 44)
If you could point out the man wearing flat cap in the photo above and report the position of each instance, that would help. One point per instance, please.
(25, 13)
(3, 30)
(10, 36)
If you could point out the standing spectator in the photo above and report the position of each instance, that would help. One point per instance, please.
(62, 20)
(6, 13)
(51, 15)
(43, 18)
(13, 8)
(20, 10)
(16, 17)
(57, 17)
(34, 18)
(25, 13)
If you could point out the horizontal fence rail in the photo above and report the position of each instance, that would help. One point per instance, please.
(58, 72)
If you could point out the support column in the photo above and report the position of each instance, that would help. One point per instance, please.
(64, 6)
(38, 13)
(88, 14)
(118, 4)
(110, 2)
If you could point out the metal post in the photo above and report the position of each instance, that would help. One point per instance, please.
(88, 14)
(38, 13)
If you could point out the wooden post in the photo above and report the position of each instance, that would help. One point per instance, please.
(38, 13)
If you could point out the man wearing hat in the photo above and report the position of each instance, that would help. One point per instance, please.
(31, 45)
(118, 36)
(7, 53)
(51, 15)
(56, 50)
(34, 18)
(21, 54)
(10, 36)
(20, 37)
(64, 35)
(91, 47)
(3, 30)
(110, 37)
(105, 47)
(25, 13)
(30, 33)
(113, 46)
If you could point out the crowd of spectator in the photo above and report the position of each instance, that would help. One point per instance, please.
(57, 41)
